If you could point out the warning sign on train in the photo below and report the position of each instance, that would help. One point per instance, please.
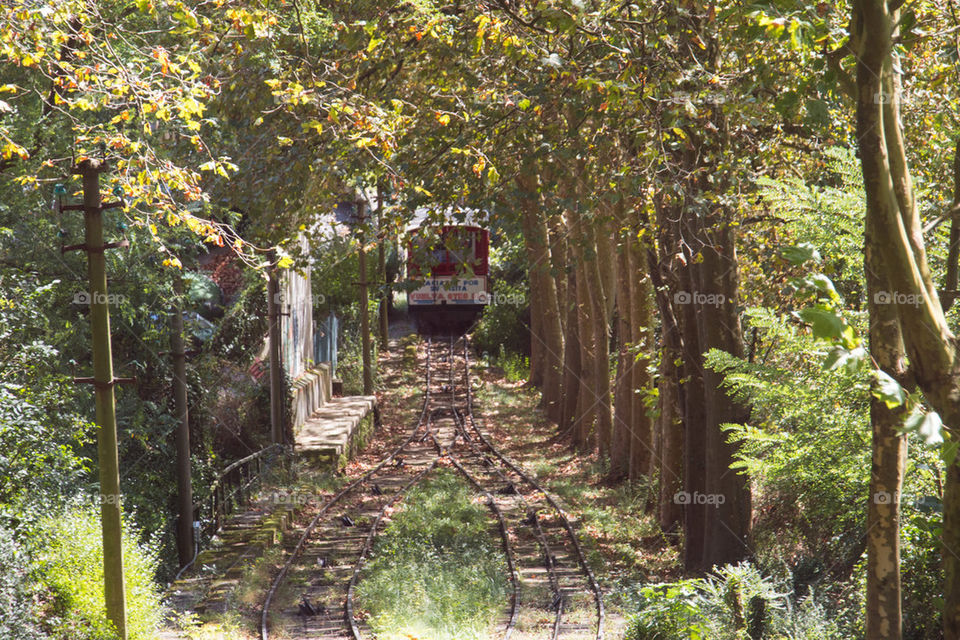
(449, 290)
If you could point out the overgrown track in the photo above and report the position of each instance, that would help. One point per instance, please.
(563, 582)
(537, 537)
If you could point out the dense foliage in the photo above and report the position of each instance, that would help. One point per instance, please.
(678, 194)
(737, 602)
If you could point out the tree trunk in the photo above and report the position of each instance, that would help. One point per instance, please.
(884, 619)
(546, 336)
(601, 347)
(552, 330)
(557, 233)
(728, 522)
(571, 353)
(623, 406)
(586, 394)
(695, 430)
(670, 430)
(671, 421)
(606, 242)
(641, 300)
(385, 294)
(536, 336)
(365, 337)
(894, 232)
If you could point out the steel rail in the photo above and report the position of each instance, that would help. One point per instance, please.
(585, 568)
(538, 531)
(275, 585)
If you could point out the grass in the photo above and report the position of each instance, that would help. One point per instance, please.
(436, 572)
(70, 565)
(516, 367)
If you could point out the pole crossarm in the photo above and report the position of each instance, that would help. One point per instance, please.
(84, 247)
(105, 384)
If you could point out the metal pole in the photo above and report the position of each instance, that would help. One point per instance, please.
(276, 367)
(184, 483)
(107, 455)
(364, 309)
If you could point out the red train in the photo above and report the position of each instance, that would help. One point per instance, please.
(447, 269)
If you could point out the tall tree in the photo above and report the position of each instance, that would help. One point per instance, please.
(895, 233)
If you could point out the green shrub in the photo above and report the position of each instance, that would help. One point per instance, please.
(515, 366)
(239, 334)
(737, 603)
(17, 615)
(436, 571)
(921, 564)
(667, 611)
(69, 558)
(806, 447)
(505, 321)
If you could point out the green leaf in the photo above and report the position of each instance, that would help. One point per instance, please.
(818, 113)
(849, 359)
(824, 284)
(888, 390)
(800, 253)
(928, 425)
(826, 323)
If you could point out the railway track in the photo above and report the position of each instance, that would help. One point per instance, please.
(548, 571)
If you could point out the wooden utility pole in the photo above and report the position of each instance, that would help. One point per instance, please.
(108, 458)
(184, 482)
(274, 311)
(364, 306)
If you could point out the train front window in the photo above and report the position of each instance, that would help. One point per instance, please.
(462, 244)
(428, 252)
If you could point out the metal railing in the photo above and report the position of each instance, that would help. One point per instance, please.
(234, 485)
(230, 489)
